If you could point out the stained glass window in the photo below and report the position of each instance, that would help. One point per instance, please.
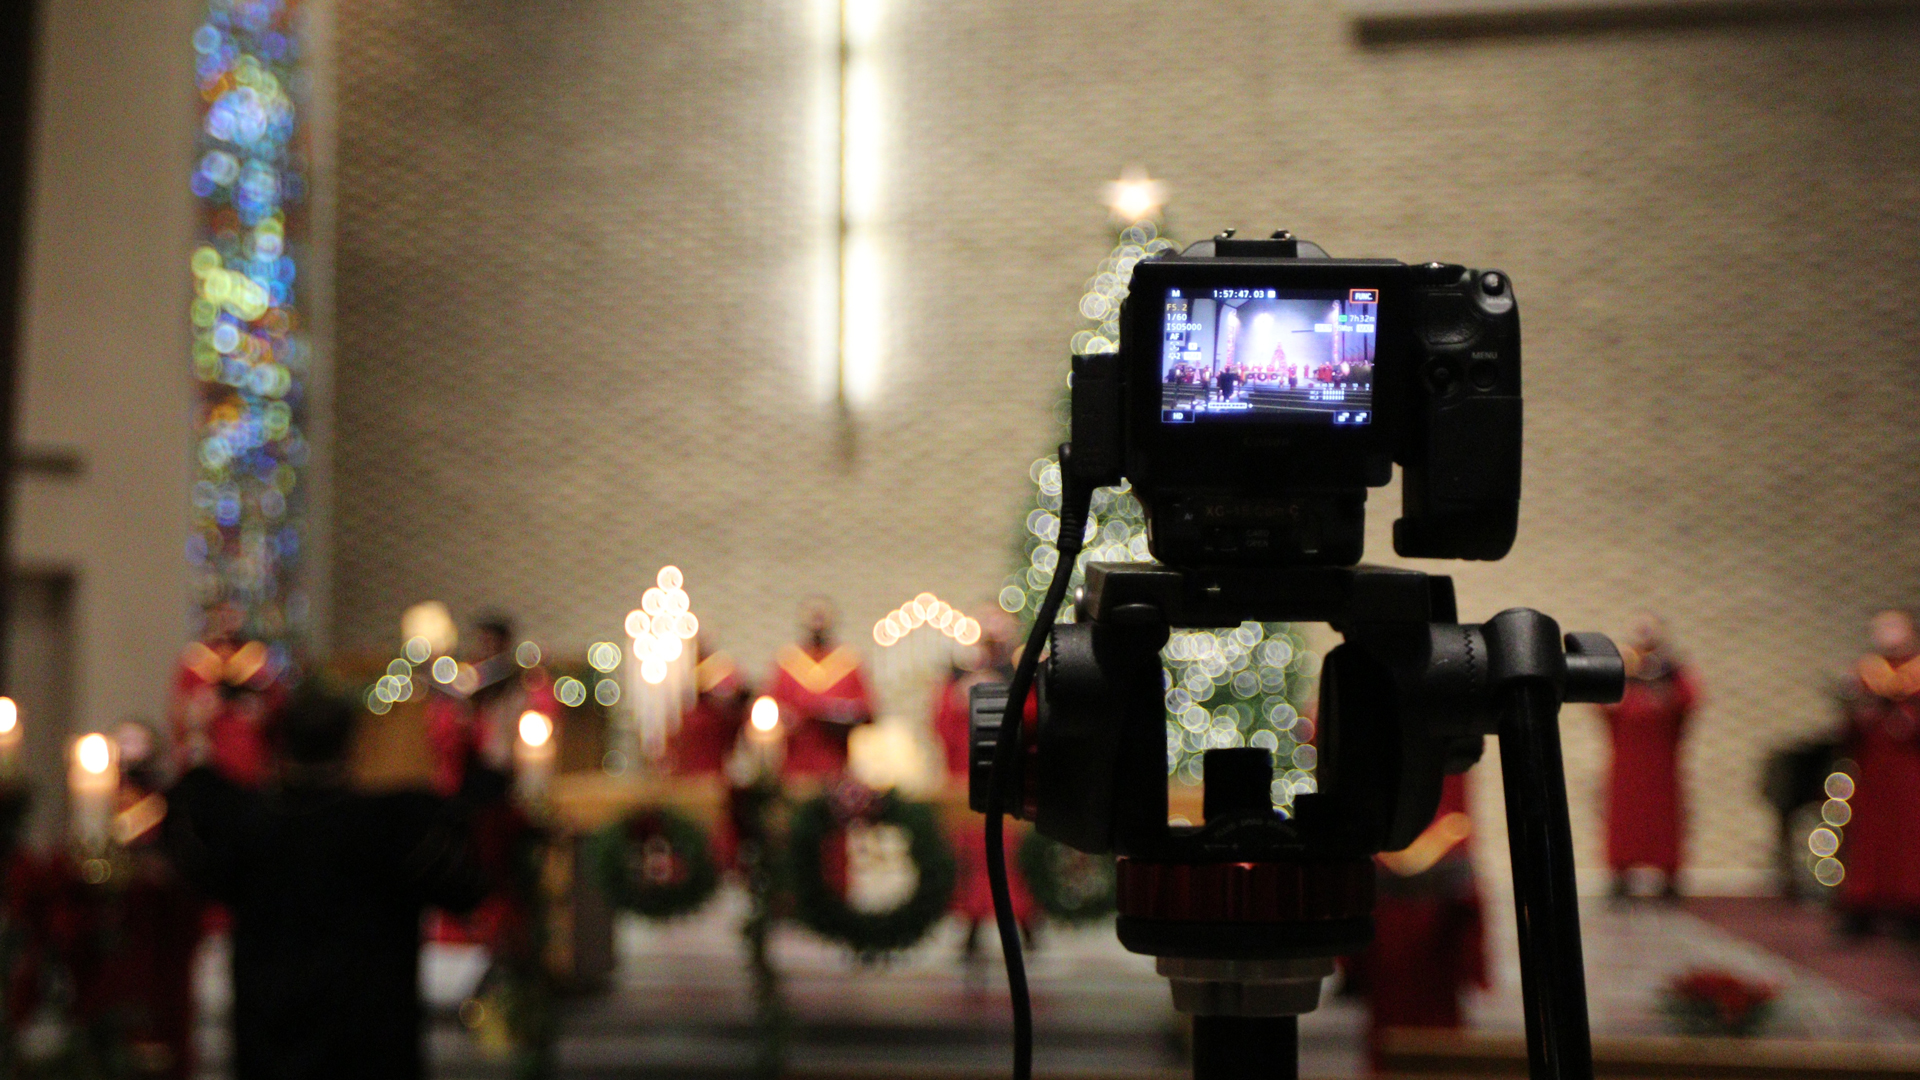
(251, 353)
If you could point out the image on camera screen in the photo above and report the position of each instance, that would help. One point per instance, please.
(1268, 355)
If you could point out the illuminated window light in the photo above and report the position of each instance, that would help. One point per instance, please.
(852, 129)
(248, 501)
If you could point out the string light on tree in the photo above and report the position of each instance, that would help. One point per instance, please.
(1823, 843)
(1241, 686)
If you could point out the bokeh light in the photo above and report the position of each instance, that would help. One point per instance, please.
(535, 728)
(603, 656)
(766, 714)
(94, 753)
(250, 353)
(926, 609)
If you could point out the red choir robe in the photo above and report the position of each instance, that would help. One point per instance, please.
(972, 894)
(1883, 715)
(449, 722)
(223, 701)
(1429, 943)
(462, 729)
(821, 699)
(1644, 808)
(483, 724)
(712, 726)
(149, 970)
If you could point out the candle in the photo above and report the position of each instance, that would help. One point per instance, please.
(10, 733)
(93, 779)
(533, 756)
(765, 739)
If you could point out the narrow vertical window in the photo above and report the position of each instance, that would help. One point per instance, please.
(251, 354)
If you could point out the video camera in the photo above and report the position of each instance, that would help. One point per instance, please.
(1263, 387)
(1260, 389)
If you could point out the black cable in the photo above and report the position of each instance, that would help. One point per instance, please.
(1075, 500)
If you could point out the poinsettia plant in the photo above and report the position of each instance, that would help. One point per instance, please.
(1713, 1001)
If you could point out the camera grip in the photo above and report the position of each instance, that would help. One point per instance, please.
(1460, 496)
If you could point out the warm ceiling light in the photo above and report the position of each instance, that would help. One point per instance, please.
(1135, 195)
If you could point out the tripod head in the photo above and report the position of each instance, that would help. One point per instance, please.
(1246, 911)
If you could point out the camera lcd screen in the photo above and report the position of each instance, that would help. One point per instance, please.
(1262, 355)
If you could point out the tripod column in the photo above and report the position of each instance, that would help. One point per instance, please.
(1246, 1048)
(1552, 972)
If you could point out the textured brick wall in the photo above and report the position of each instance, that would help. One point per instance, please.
(574, 295)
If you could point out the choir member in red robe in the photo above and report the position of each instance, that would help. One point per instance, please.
(477, 715)
(1883, 730)
(710, 728)
(1429, 944)
(1644, 808)
(822, 695)
(148, 973)
(473, 722)
(972, 897)
(225, 694)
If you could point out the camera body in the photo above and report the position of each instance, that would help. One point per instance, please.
(1264, 387)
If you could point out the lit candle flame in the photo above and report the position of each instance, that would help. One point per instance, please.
(94, 754)
(766, 714)
(535, 728)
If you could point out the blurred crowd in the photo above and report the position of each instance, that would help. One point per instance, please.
(250, 823)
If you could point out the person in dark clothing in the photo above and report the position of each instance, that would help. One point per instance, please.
(326, 886)
(1229, 382)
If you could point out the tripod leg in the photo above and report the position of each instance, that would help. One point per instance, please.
(1552, 973)
(1246, 1048)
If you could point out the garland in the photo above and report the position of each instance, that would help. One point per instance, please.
(821, 908)
(656, 863)
(1071, 886)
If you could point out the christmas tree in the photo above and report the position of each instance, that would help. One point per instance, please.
(1245, 686)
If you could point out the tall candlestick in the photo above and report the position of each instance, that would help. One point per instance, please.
(533, 756)
(93, 779)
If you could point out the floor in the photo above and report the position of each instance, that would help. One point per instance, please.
(680, 1003)
(1882, 967)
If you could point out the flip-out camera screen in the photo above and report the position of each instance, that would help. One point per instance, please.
(1300, 356)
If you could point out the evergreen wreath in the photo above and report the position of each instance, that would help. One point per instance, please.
(1071, 886)
(821, 908)
(657, 863)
